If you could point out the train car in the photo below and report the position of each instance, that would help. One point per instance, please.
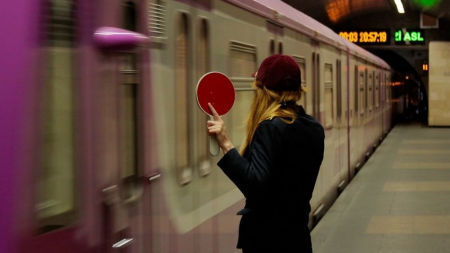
(104, 148)
(370, 108)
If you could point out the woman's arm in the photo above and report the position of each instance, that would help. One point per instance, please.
(254, 175)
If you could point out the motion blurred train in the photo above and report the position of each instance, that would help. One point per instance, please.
(103, 147)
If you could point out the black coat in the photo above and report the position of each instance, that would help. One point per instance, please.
(277, 176)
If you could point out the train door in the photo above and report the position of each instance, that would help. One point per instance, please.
(357, 96)
(316, 81)
(118, 144)
(360, 117)
(314, 110)
(119, 140)
(85, 192)
(376, 99)
(341, 124)
(368, 130)
(301, 61)
(52, 195)
(203, 66)
(89, 167)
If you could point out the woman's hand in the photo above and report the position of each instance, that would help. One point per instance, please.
(217, 127)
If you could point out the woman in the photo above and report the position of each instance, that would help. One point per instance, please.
(278, 162)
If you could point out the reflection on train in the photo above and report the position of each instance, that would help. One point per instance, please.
(107, 150)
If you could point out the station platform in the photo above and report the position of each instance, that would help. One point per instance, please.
(399, 202)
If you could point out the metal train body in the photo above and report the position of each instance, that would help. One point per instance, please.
(104, 148)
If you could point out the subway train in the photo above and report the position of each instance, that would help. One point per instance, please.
(409, 99)
(103, 147)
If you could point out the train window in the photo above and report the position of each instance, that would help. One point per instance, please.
(356, 90)
(280, 47)
(182, 102)
(387, 87)
(56, 196)
(369, 93)
(272, 47)
(377, 91)
(157, 20)
(203, 54)
(316, 86)
(302, 64)
(339, 90)
(361, 94)
(329, 98)
(317, 89)
(129, 14)
(242, 62)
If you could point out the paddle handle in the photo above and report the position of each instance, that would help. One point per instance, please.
(213, 145)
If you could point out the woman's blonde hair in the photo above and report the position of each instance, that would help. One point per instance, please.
(268, 104)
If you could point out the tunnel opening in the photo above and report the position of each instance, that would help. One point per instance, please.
(409, 88)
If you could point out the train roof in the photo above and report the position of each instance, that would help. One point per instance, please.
(288, 16)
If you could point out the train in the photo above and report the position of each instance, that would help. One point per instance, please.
(103, 147)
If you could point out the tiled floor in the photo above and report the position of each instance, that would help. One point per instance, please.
(399, 202)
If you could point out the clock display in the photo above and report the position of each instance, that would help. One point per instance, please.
(367, 37)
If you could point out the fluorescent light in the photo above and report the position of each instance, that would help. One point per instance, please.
(399, 6)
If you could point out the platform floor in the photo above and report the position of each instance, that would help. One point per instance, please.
(399, 202)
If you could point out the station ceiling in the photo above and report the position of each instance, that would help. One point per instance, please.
(332, 12)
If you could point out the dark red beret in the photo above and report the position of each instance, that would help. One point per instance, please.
(279, 72)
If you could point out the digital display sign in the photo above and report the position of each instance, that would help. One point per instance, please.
(409, 37)
(367, 37)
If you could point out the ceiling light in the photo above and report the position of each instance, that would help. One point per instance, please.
(427, 3)
(399, 6)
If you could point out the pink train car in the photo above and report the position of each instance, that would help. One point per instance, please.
(103, 148)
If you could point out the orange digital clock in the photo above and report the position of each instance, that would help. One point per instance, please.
(367, 37)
